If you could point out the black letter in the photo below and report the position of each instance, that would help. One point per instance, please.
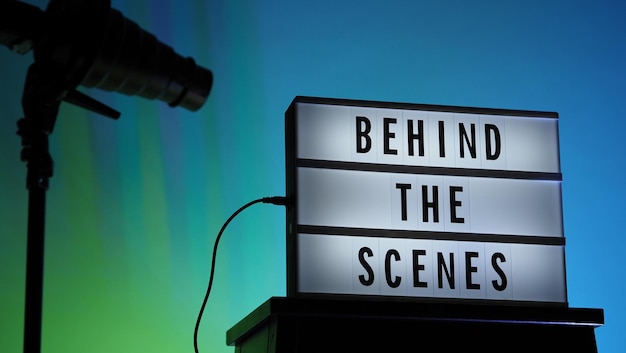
(463, 136)
(388, 134)
(392, 283)
(363, 134)
(454, 204)
(488, 129)
(418, 267)
(469, 269)
(434, 205)
(366, 266)
(412, 136)
(403, 188)
(441, 264)
(498, 269)
(442, 140)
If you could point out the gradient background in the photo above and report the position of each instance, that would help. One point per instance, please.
(135, 204)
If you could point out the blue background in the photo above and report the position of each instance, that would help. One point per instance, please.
(135, 204)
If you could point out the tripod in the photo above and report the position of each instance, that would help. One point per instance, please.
(43, 93)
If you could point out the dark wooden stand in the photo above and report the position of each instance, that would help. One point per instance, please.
(299, 325)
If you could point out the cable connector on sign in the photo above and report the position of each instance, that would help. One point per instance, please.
(276, 200)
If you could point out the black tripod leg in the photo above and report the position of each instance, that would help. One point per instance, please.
(40, 103)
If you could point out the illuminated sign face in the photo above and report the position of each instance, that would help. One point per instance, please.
(421, 201)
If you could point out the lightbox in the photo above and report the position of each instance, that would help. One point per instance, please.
(423, 202)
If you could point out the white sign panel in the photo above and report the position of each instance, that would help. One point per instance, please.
(421, 201)
(430, 268)
(427, 138)
(364, 199)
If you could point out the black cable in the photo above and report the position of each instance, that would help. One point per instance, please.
(275, 200)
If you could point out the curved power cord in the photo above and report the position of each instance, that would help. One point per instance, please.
(275, 200)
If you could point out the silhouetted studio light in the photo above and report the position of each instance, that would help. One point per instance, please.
(90, 44)
(81, 42)
(132, 61)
